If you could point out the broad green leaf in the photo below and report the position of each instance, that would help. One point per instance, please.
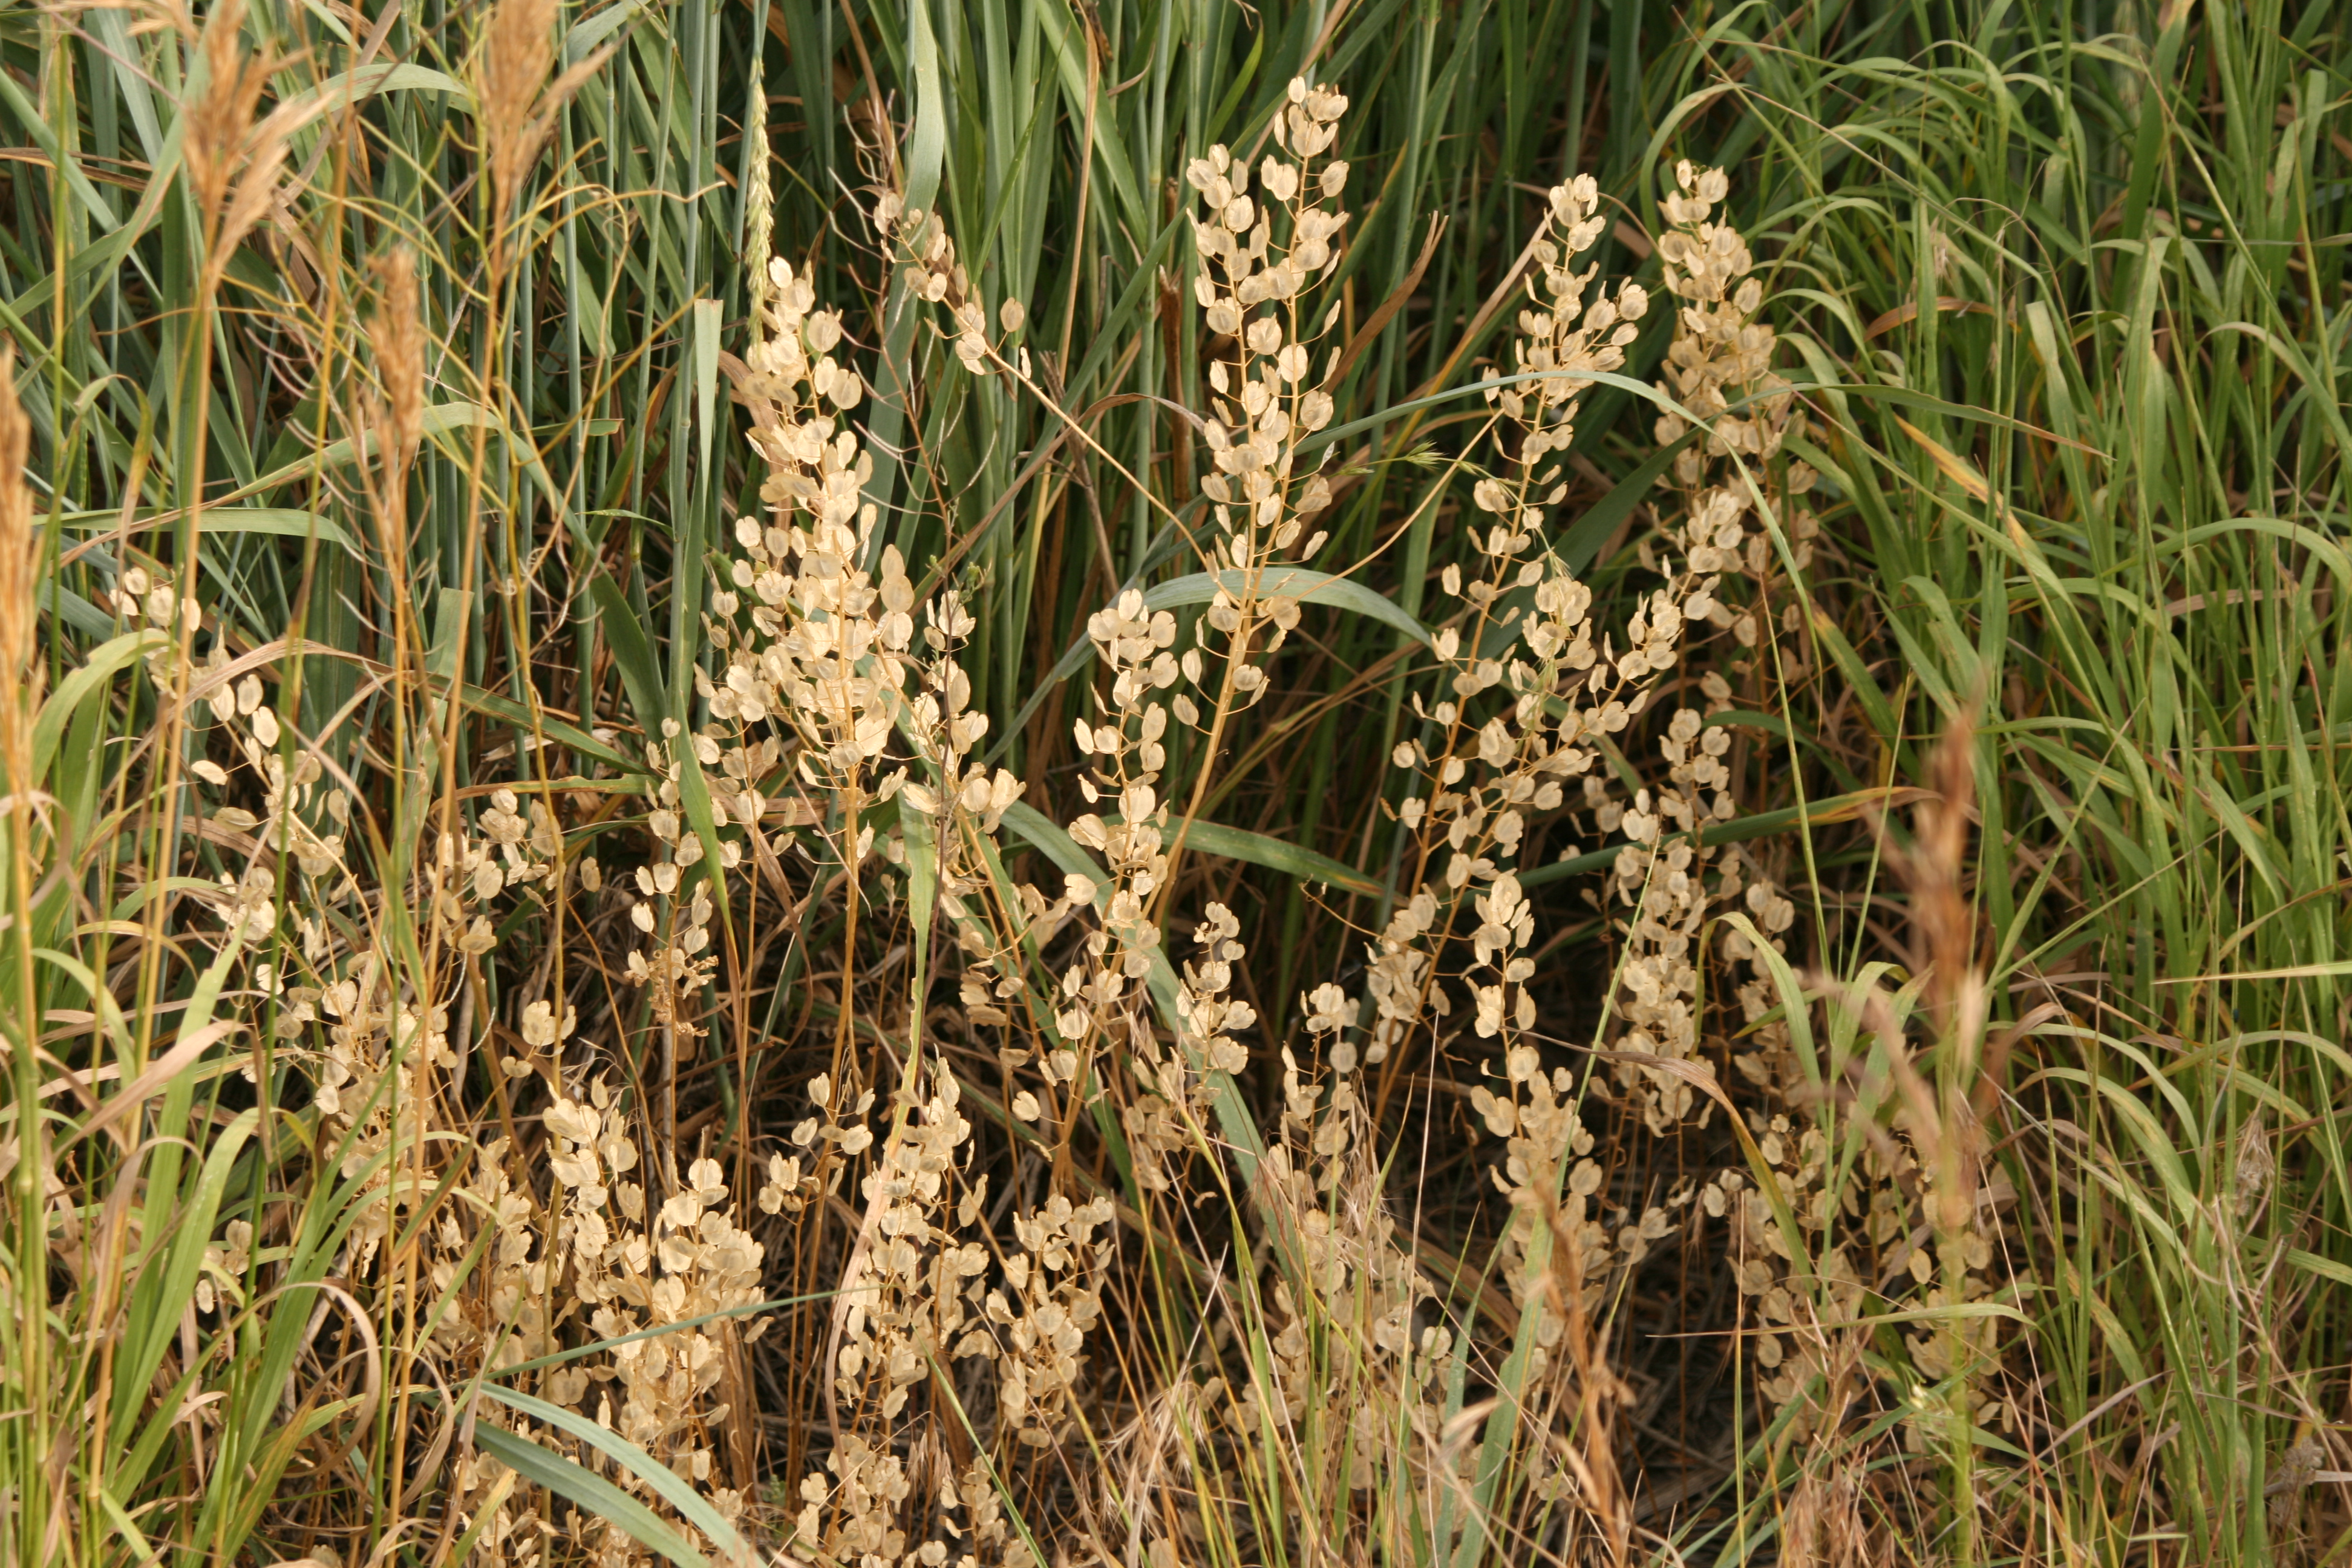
(922, 892)
(659, 1331)
(1757, 825)
(1582, 541)
(1275, 855)
(1300, 583)
(694, 794)
(104, 663)
(403, 76)
(581, 39)
(632, 654)
(164, 1294)
(440, 423)
(555, 730)
(2327, 1268)
(588, 1490)
(695, 1508)
(286, 523)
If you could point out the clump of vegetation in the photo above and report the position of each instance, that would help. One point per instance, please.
(995, 827)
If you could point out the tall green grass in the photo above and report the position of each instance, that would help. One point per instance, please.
(2066, 292)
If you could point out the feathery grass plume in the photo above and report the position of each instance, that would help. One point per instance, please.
(516, 104)
(25, 1143)
(220, 118)
(517, 51)
(1943, 1118)
(395, 410)
(396, 339)
(233, 161)
(19, 565)
(27, 1174)
(759, 198)
(20, 668)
